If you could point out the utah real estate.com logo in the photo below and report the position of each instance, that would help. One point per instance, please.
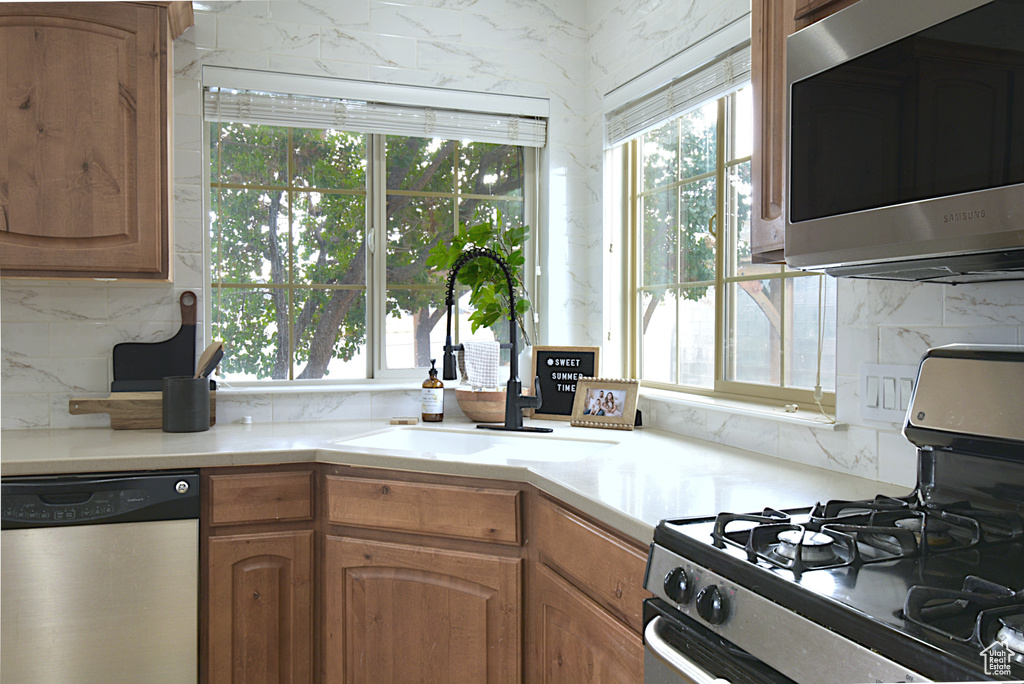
(996, 659)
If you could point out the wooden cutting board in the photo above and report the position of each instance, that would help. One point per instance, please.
(132, 410)
(141, 366)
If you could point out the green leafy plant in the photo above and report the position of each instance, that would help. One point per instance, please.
(484, 277)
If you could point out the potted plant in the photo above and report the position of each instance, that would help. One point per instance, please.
(484, 278)
(488, 296)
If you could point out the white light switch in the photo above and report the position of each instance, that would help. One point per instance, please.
(886, 391)
(871, 396)
(906, 392)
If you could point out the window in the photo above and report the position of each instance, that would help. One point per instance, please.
(707, 319)
(433, 188)
(288, 250)
(320, 235)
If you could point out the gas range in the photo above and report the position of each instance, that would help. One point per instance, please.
(925, 587)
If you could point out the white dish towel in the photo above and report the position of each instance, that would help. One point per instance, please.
(478, 362)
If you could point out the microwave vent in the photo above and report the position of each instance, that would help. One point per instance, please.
(967, 268)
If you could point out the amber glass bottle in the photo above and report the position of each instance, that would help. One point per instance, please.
(432, 397)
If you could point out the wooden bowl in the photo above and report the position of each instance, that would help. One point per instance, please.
(482, 406)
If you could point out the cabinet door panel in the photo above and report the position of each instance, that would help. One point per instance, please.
(602, 566)
(260, 609)
(575, 641)
(404, 614)
(84, 140)
(62, 175)
(771, 23)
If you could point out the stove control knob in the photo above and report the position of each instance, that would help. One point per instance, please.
(678, 587)
(712, 605)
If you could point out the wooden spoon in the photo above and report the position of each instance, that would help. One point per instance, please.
(209, 359)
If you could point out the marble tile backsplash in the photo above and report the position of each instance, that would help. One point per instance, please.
(279, 406)
(56, 336)
(879, 322)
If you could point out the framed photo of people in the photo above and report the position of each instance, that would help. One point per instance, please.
(605, 403)
(558, 369)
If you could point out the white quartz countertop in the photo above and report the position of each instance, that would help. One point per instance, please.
(629, 480)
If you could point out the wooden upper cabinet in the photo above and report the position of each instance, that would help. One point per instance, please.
(772, 21)
(84, 139)
(806, 12)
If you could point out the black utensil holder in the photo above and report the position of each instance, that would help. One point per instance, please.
(186, 404)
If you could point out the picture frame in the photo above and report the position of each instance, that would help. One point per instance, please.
(615, 397)
(559, 368)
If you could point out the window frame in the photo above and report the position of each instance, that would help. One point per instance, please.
(376, 270)
(630, 169)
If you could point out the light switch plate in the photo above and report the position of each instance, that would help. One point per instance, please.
(885, 391)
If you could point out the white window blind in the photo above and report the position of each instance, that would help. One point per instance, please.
(719, 76)
(255, 107)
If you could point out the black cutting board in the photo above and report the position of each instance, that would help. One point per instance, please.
(142, 366)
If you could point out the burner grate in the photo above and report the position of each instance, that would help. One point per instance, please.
(843, 533)
(980, 614)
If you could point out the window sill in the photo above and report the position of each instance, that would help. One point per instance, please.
(369, 386)
(752, 409)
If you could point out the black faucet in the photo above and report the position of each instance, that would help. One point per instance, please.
(515, 402)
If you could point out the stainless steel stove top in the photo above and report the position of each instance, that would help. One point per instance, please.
(926, 587)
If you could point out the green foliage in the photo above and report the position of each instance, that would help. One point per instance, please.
(678, 223)
(288, 238)
(486, 280)
(261, 233)
(677, 242)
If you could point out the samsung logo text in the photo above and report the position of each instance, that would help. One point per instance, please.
(964, 216)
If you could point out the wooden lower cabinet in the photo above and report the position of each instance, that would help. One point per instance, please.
(260, 608)
(402, 614)
(575, 641)
(331, 575)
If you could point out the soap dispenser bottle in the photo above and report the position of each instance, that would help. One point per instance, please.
(432, 397)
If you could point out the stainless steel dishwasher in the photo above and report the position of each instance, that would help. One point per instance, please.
(100, 578)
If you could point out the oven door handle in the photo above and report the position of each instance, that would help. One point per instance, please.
(664, 651)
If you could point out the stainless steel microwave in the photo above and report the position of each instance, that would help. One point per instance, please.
(905, 155)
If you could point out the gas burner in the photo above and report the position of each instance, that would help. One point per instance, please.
(937, 535)
(813, 547)
(1011, 635)
(841, 510)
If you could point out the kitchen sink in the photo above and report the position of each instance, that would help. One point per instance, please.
(479, 444)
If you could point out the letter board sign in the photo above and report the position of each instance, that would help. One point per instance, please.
(558, 369)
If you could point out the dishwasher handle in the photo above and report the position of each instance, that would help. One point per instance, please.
(664, 651)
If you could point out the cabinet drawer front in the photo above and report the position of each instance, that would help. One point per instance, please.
(605, 568)
(436, 510)
(261, 497)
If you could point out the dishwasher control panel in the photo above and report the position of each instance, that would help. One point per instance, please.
(31, 507)
(95, 499)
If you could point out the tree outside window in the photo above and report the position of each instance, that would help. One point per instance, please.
(708, 318)
(293, 233)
